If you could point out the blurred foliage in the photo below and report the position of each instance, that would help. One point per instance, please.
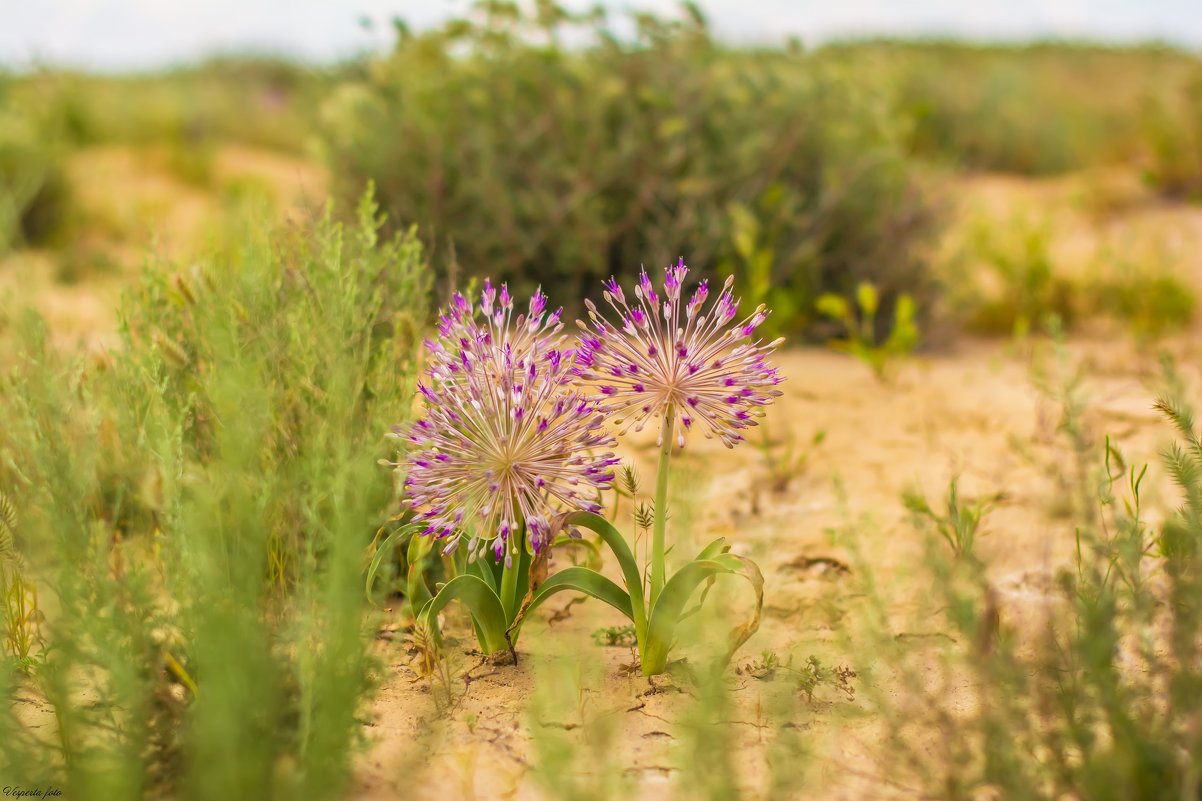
(1080, 684)
(1034, 109)
(1174, 132)
(550, 147)
(34, 196)
(540, 163)
(1007, 277)
(873, 340)
(262, 102)
(1147, 294)
(194, 508)
(1014, 283)
(47, 115)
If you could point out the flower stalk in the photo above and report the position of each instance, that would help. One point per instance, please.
(509, 574)
(659, 533)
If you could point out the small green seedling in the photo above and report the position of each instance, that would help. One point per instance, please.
(959, 524)
(859, 326)
(20, 616)
(615, 636)
(810, 676)
(786, 459)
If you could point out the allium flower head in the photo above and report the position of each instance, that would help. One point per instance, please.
(505, 438)
(665, 353)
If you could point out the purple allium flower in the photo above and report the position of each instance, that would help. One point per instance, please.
(706, 366)
(506, 437)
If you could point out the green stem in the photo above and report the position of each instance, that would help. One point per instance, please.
(661, 506)
(509, 575)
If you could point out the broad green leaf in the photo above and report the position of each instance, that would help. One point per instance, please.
(484, 569)
(416, 591)
(576, 579)
(512, 592)
(631, 575)
(390, 542)
(713, 549)
(481, 601)
(669, 607)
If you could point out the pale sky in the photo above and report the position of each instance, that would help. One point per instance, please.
(125, 34)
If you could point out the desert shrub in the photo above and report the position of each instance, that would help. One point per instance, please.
(1151, 304)
(1004, 278)
(1174, 132)
(34, 195)
(193, 509)
(543, 164)
(256, 101)
(1011, 274)
(1034, 108)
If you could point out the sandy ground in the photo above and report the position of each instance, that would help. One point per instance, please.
(973, 413)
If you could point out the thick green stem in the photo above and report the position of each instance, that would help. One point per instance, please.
(658, 549)
(509, 576)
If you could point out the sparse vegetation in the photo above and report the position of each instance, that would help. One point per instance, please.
(958, 524)
(211, 588)
(876, 342)
(784, 459)
(1088, 702)
(223, 461)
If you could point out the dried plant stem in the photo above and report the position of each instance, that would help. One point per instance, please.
(661, 505)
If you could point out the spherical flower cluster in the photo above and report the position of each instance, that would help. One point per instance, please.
(506, 438)
(689, 365)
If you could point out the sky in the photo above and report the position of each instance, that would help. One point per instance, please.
(145, 34)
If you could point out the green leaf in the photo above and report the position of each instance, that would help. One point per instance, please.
(631, 575)
(481, 601)
(669, 607)
(867, 298)
(391, 541)
(716, 547)
(416, 591)
(834, 306)
(512, 579)
(577, 579)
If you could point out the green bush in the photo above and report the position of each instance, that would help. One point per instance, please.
(260, 102)
(542, 164)
(34, 195)
(1034, 109)
(193, 510)
(1174, 131)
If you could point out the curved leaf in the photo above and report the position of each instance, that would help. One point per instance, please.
(668, 610)
(481, 601)
(576, 579)
(631, 575)
(383, 551)
(716, 547)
